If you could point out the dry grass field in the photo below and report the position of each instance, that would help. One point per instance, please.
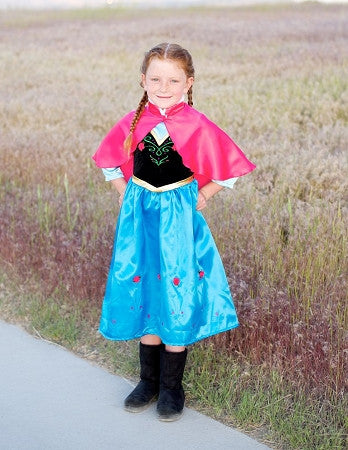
(275, 78)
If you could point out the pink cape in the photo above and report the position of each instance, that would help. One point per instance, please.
(205, 149)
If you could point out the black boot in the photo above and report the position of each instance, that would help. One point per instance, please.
(171, 398)
(148, 387)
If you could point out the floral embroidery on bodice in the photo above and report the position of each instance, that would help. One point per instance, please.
(156, 161)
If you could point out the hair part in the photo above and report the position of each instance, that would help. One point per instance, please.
(162, 51)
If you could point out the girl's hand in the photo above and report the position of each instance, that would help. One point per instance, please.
(120, 186)
(201, 201)
(205, 193)
(120, 199)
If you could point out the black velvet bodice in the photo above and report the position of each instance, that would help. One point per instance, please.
(158, 163)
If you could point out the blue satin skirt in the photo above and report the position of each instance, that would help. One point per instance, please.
(166, 276)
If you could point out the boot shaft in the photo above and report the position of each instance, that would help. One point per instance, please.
(172, 369)
(150, 356)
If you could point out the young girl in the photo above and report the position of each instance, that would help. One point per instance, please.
(166, 283)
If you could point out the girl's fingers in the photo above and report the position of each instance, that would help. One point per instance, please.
(201, 202)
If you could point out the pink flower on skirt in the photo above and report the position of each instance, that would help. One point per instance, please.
(176, 281)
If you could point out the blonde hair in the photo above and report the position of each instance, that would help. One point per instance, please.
(173, 52)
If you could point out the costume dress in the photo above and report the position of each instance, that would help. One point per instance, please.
(166, 276)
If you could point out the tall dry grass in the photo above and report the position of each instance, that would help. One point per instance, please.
(276, 79)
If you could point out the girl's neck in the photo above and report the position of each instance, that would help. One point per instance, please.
(163, 110)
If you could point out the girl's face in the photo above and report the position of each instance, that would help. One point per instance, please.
(165, 82)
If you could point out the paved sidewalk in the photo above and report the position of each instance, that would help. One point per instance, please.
(51, 399)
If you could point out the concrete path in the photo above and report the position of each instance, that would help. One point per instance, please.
(51, 399)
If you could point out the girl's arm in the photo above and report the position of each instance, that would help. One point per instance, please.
(205, 193)
(120, 186)
(115, 176)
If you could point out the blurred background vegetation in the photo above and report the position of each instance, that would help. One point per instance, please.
(273, 77)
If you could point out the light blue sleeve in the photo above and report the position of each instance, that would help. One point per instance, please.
(226, 183)
(112, 173)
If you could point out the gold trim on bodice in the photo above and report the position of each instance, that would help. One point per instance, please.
(166, 187)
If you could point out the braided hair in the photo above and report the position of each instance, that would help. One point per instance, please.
(173, 52)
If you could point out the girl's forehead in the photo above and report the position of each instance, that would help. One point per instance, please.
(164, 65)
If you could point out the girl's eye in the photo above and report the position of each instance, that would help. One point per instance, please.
(154, 80)
(175, 81)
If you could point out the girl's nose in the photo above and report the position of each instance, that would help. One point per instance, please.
(164, 85)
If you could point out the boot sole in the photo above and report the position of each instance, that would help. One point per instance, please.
(172, 418)
(138, 409)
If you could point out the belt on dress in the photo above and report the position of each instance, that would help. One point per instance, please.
(166, 187)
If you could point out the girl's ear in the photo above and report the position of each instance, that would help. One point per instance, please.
(142, 83)
(189, 83)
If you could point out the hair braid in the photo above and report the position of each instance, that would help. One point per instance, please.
(190, 97)
(128, 141)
